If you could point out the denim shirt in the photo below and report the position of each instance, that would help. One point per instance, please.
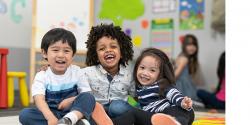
(104, 90)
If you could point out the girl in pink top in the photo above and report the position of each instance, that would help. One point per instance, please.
(217, 99)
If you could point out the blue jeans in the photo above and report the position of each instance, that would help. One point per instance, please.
(84, 103)
(210, 100)
(117, 108)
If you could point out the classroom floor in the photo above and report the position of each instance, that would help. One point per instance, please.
(202, 116)
(9, 120)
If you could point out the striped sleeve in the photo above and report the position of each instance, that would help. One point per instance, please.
(174, 96)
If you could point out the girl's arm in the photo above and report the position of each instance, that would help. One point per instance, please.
(181, 62)
(176, 98)
(44, 108)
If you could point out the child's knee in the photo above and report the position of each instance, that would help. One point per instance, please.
(23, 116)
(118, 107)
(86, 96)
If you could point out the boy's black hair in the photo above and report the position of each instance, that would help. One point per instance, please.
(166, 77)
(56, 34)
(114, 32)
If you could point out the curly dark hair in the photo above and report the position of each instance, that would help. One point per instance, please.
(166, 77)
(114, 32)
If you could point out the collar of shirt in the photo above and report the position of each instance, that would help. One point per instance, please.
(148, 86)
(121, 70)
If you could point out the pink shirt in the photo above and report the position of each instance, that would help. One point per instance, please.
(221, 94)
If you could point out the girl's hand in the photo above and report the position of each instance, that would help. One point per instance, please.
(186, 103)
(52, 121)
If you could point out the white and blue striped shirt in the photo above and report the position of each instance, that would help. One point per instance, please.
(55, 88)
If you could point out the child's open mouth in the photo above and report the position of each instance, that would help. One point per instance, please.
(60, 62)
(144, 79)
(109, 58)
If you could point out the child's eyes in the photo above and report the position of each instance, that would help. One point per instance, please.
(152, 70)
(114, 46)
(141, 67)
(101, 49)
(67, 51)
(55, 50)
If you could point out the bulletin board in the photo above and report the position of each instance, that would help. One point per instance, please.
(73, 15)
(148, 23)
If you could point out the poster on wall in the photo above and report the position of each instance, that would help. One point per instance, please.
(120, 10)
(160, 6)
(191, 14)
(162, 35)
(76, 19)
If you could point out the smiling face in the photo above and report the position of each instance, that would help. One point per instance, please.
(148, 70)
(109, 54)
(59, 56)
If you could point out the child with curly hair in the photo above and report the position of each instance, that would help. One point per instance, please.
(109, 50)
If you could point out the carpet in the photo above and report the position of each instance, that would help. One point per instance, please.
(209, 118)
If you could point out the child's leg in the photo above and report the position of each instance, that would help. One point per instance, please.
(133, 117)
(32, 116)
(82, 107)
(210, 100)
(163, 119)
(100, 117)
(118, 107)
(181, 115)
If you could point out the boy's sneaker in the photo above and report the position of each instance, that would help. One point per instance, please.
(82, 122)
(64, 121)
(163, 119)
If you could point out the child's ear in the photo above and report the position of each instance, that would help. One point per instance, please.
(44, 54)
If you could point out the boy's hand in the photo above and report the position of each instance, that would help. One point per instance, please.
(43, 68)
(186, 103)
(66, 103)
(52, 120)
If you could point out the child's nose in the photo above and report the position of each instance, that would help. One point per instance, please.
(61, 54)
(108, 49)
(145, 72)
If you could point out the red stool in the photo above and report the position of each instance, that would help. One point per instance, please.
(3, 78)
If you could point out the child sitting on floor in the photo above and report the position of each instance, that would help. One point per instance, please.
(59, 92)
(155, 87)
